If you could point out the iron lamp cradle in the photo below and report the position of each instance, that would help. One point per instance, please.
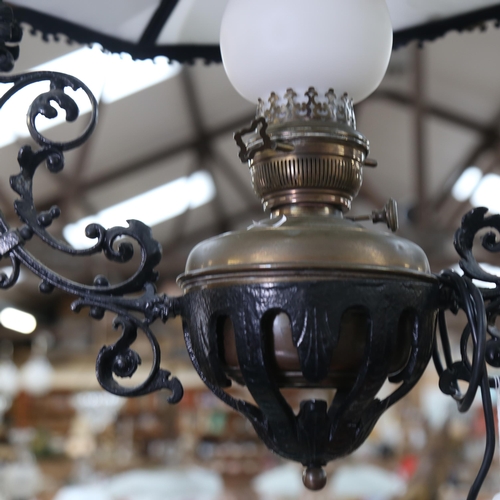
(318, 433)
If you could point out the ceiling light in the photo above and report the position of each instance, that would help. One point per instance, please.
(17, 320)
(467, 183)
(125, 77)
(109, 76)
(152, 207)
(487, 193)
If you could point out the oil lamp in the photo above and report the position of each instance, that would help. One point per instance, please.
(306, 298)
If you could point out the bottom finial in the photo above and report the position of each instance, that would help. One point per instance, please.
(314, 478)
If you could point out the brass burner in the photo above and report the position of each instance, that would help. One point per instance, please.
(305, 153)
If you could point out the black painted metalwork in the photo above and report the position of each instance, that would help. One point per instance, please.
(434, 29)
(481, 306)
(158, 21)
(317, 434)
(116, 360)
(320, 432)
(50, 25)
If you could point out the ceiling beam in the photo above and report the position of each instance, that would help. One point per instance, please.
(158, 22)
(149, 161)
(486, 143)
(420, 143)
(438, 112)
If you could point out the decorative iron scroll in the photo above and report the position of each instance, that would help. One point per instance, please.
(481, 306)
(118, 360)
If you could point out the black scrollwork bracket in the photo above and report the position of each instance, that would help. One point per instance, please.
(133, 313)
(10, 35)
(480, 340)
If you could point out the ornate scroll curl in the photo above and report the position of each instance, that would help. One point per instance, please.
(133, 313)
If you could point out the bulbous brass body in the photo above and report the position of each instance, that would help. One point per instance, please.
(301, 245)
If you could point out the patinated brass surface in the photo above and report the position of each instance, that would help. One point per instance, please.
(301, 246)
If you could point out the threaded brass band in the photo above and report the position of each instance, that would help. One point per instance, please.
(306, 197)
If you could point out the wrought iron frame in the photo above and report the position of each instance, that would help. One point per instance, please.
(146, 47)
(318, 433)
(137, 305)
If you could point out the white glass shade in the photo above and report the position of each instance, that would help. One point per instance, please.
(36, 375)
(9, 378)
(270, 46)
(99, 408)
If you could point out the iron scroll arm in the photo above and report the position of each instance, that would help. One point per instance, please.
(133, 313)
(481, 306)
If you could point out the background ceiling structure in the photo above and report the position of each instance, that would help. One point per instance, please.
(188, 29)
(436, 113)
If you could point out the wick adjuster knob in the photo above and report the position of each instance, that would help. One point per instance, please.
(388, 214)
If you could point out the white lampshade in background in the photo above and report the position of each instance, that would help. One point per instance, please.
(270, 46)
(9, 378)
(98, 408)
(9, 381)
(37, 375)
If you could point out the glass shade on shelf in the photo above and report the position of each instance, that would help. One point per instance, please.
(9, 378)
(37, 375)
(273, 46)
(98, 408)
